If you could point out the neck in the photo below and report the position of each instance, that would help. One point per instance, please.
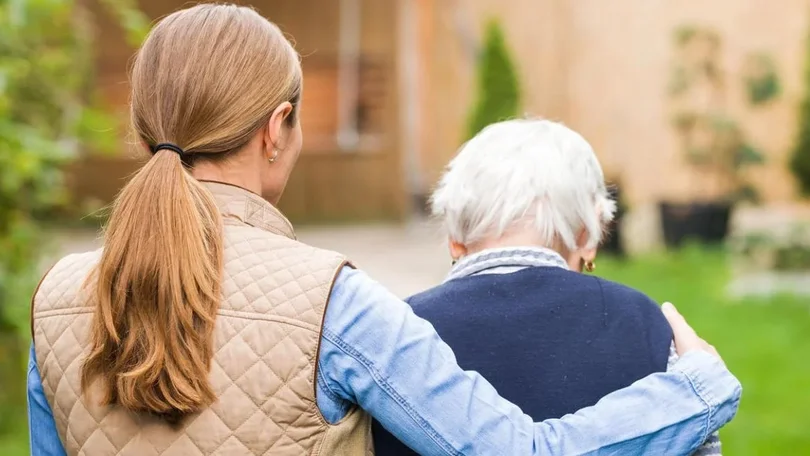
(518, 239)
(525, 238)
(208, 171)
(505, 259)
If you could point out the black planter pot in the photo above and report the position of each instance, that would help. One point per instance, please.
(420, 204)
(703, 222)
(613, 238)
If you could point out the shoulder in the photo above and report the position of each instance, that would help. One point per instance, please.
(360, 305)
(62, 281)
(245, 244)
(437, 293)
(77, 260)
(633, 306)
(70, 270)
(549, 281)
(352, 284)
(628, 297)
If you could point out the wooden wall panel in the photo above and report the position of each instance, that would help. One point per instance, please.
(327, 184)
(342, 187)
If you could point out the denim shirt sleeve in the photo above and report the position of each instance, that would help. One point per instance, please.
(41, 425)
(377, 354)
(712, 445)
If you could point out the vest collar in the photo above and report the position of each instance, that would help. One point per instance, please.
(249, 208)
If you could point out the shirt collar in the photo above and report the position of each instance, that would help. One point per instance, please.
(507, 257)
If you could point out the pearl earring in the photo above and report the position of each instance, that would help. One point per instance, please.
(274, 157)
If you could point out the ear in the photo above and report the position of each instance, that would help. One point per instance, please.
(588, 255)
(276, 126)
(457, 250)
(582, 238)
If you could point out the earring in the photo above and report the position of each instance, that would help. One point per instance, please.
(274, 157)
(590, 266)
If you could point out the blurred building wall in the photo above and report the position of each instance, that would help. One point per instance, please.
(332, 181)
(603, 69)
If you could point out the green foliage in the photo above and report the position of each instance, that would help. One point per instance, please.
(788, 251)
(800, 159)
(712, 140)
(46, 112)
(498, 91)
(761, 80)
(679, 81)
(47, 115)
(132, 20)
(685, 34)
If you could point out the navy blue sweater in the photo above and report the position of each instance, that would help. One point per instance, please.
(550, 340)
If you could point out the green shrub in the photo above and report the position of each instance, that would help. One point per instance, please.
(498, 91)
(714, 143)
(46, 113)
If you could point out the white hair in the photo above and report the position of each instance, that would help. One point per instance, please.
(525, 171)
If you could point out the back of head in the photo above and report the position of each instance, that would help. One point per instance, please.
(205, 80)
(525, 172)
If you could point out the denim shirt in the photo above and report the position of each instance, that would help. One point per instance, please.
(376, 354)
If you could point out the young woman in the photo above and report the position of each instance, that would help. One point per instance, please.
(203, 327)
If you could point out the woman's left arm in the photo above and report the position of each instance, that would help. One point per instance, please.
(41, 426)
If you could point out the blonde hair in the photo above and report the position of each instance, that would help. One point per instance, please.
(206, 79)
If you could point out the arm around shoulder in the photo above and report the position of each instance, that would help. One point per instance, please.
(377, 354)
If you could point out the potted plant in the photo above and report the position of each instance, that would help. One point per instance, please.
(772, 261)
(713, 142)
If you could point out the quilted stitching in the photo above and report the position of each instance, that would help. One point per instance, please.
(274, 295)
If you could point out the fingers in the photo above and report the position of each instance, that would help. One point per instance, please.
(685, 337)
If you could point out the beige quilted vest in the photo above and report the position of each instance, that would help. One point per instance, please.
(267, 338)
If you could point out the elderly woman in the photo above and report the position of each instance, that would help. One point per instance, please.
(525, 207)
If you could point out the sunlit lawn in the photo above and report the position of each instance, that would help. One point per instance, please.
(765, 342)
(15, 443)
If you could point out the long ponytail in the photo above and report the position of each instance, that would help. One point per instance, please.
(206, 79)
(157, 290)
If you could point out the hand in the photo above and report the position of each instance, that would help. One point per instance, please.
(686, 339)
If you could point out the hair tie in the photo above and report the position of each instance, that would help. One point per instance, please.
(168, 146)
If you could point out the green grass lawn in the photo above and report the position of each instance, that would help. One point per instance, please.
(15, 443)
(765, 342)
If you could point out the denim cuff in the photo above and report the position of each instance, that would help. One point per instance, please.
(714, 384)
